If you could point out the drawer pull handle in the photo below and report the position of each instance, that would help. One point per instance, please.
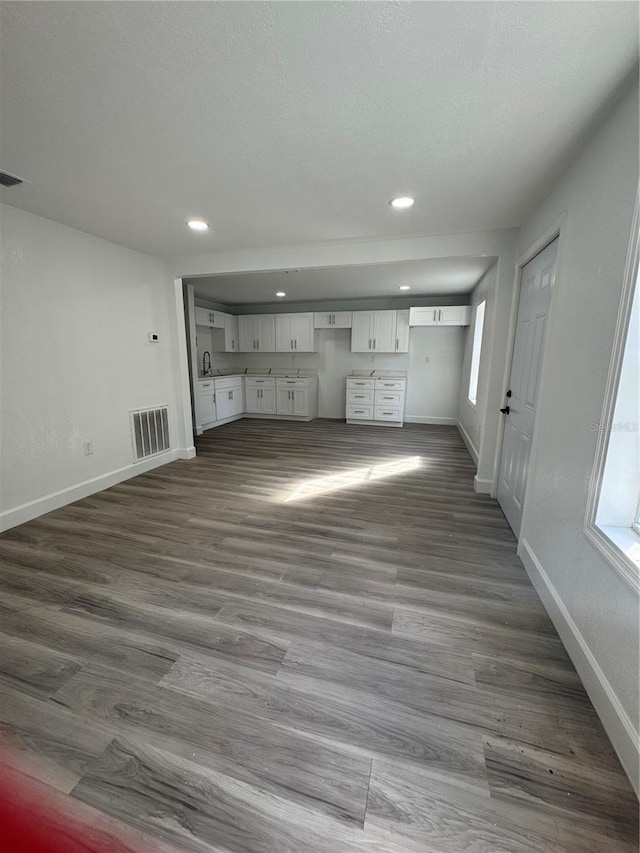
(358, 411)
(388, 413)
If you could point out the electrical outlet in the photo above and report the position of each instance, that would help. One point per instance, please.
(87, 446)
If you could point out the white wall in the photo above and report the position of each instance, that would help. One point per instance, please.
(75, 358)
(432, 388)
(595, 610)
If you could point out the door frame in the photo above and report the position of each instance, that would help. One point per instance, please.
(557, 231)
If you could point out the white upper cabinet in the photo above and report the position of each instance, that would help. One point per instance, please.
(213, 319)
(295, 333)
(446, 315)
(231, 342)
(454, 315)
(373, 331)
(256, 333)
(402, 331)
(332, 320)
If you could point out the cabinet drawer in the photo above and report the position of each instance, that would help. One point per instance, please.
(390, 398)
(388, 413)
(205, 387)
(388, 384)
(359, 396)
(364, 413)
(260, 381)
(228, 382)
(292, 383)
(352, 383)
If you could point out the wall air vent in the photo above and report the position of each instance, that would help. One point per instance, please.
(9, 180)
(149, 432)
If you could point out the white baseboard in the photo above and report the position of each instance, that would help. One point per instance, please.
(617, 723)
(482, 487)
(416, 419)
(467, 440)
(186, 452)
(33, 509)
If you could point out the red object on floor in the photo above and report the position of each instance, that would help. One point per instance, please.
(37, 819)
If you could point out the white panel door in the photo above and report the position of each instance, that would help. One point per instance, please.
(402, 331)
(526, 367)
(361, 334)
(384, 331)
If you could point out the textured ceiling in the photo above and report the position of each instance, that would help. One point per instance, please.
(436, 276)
(287, 123)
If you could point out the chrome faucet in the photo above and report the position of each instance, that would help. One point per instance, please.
(206, 368)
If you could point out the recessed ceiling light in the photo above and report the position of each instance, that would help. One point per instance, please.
(198, 225)
(405, 287)
(281, 293)
(402, 202)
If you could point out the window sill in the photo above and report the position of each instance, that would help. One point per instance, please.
(621, 547)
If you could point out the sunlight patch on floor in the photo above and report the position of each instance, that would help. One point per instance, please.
(354, 477)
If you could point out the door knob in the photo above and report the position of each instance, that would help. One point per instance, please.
(505, 411)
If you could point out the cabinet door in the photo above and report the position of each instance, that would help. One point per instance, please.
(223, 404)
(341, 319)
(218, 319)
(453, 315)
(302, 332)
(205, 408)
(384, 331)
(423, 316)
(322, 320)
(361, 337)
(268, 401)
(253, 399)
(246, 333)
(284, 401)
(284, 333)
(266, 332)
(236, 406)
(231, 333)
(402, 331)
(203, 317)
(299, 401)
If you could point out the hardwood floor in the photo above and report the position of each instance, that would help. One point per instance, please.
(312, 637)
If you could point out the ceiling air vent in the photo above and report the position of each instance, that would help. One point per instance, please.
(9, 180)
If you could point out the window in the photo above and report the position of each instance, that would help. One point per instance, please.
(478, 327)
(613, 510)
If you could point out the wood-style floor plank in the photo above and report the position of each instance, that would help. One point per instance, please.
(198, 659)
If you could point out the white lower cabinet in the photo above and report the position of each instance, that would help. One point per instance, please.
(297, 398)
(229, 397)
(376, 401)
(205, 403)
(260, 395)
